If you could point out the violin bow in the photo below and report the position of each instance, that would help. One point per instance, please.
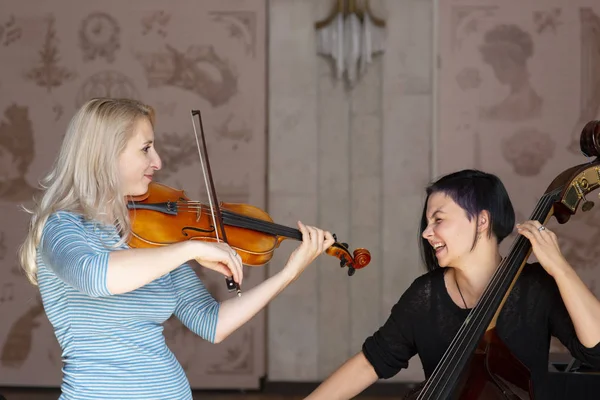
(215, 210)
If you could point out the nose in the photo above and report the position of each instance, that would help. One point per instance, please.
(156, 162)
(428, 232)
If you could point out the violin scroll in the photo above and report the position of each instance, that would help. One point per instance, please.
(359, 258)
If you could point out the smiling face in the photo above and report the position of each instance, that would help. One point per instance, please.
(449, 230)
(139, 160)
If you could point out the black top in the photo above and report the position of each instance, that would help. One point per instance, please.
(426, 319)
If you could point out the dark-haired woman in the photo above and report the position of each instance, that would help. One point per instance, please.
(466, 216)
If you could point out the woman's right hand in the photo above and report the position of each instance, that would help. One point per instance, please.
(314, 242)
(219, 257)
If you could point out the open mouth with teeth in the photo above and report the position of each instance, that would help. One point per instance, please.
(438, 247)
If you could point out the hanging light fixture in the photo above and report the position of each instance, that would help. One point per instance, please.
(350, 35)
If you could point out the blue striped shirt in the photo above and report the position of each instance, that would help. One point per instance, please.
(113, 346)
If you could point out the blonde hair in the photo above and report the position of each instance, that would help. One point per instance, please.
(85, 177)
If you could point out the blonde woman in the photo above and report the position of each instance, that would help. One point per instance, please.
(105, 301)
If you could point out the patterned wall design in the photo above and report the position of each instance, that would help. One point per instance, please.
(177, 55)
(518, 80)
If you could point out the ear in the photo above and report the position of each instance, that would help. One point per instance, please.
(483, 222)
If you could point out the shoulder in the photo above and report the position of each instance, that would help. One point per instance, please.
(61, 220)
(422, 288)
(426, 282)
(67, 223)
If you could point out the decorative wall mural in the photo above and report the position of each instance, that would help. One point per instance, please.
(468, 78)
(527, 150)
(156, 21)
(177, 150)
(58, 111)
(18, 343)
(547, 20)
(2, 245)
(506, 49)
(193, 70)
(16, 154)
(465, 20)
(99, 37)
(165, 108)
(10, 32)
(48, 73)
(241, 25)
(7, 292)
(523, 111)
(106, 84)
(54, 59)
(232, 128)
(589, 96)
(578, 250)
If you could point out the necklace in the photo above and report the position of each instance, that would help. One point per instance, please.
(459, 292)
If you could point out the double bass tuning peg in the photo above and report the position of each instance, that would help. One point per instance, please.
(587, 205)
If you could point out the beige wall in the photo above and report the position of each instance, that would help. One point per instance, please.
(351, 160)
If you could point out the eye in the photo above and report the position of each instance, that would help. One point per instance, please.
(438, 220)
(146, 149)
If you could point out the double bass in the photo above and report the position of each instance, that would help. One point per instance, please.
(477, 364)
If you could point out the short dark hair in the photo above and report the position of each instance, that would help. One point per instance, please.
(474, 191)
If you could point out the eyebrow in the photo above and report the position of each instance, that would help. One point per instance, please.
(438, 211)
(148, 142)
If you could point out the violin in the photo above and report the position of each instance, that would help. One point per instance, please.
(164, 215)
(477, 364)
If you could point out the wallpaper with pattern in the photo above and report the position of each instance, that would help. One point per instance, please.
(176, 56)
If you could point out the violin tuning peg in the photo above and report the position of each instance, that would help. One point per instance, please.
(334, 237)
(587, 205)
(345, 245)
(342, 262)
(351, 271)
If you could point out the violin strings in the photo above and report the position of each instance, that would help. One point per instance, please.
(499, 279)
(243, 220)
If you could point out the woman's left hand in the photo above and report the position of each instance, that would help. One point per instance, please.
(544, 245)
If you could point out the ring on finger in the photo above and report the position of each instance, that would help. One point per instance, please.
(541, 228)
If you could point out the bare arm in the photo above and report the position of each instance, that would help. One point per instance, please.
(235, 312)
(354, 376)
(582, 305)
(133, 268)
